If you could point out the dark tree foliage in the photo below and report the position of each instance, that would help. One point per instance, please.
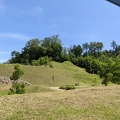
(85, 47)
(35, 49)
(76, 50)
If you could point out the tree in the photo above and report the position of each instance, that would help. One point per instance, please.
(76, 50)
(106, 71)
(93, 49)
(64, 55)
(53, 47)
(15, 57)
(116, 70)
(17, 87)
(113, 45)
(117, 51)
(17, 72)
(85, 47)
(31, 50)
(99, 46)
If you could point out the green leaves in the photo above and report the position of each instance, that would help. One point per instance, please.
(35, 49)
(41, 61)
(17, 87)
(17, 73)
(109, 70)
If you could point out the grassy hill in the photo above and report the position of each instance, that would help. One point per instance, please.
(43, 103)
(64, 73)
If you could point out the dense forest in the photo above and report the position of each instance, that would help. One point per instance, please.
(91, 56)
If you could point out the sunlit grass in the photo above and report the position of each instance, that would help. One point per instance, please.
(38, 89)
(87, 102)
(94, 103)
(64, 73)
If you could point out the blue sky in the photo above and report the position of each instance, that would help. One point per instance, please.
(75, 21)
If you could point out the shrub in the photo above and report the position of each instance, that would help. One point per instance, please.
(77, 84)
(67, 87)
(70, 87)
(63, 87)
(17, 73)
(17, 88)
(20, 88)
(41, 61)
(50, 65)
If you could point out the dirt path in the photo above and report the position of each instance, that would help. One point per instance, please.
(78, 88)
(56, 88)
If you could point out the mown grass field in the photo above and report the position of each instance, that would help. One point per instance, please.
(40, 102)
(94, 103)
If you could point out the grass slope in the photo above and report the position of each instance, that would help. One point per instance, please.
(94, 103)
(43, 103)
(64, 73)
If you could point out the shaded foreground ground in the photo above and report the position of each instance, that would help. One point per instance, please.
(94, 103)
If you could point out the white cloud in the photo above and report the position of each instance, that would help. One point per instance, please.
(15, 36)
(37, 11)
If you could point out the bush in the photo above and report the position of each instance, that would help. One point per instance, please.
(70, 87)
(50, 65)
(62, 87)
(77, 84)
(17, 72)
(41, 61)
(67, 87)
(17, 88)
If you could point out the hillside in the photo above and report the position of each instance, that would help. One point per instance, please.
(43, 103)
(64, 73)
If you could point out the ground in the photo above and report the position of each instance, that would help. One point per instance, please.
(91, 103)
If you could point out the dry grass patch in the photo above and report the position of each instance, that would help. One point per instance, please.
(95, 103)
(4, 89)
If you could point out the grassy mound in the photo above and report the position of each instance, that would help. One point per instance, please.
(64, 73)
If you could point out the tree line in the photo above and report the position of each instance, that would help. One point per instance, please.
(91, 56)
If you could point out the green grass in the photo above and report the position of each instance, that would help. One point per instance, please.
(4, 89)
(64, 73)
(38, 89)
(87, 102)
(94, 103)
